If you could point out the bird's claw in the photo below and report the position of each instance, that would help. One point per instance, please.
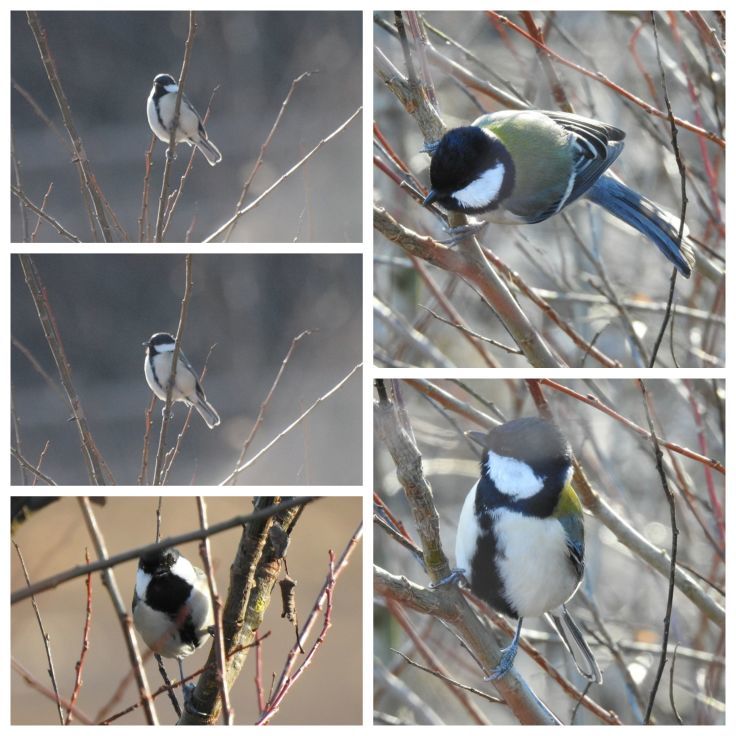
(457, 575)
(188, 690)
(430, 147)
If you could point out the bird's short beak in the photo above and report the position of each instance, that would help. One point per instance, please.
(430, 198)
(479, 437)
(144, 343)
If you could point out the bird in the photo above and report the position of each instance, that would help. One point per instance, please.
(524, 166)
(172, 607)
(520, 541)
(186, 388)
(161, 108)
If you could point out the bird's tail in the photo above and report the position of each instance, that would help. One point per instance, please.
(209, 150)
(661, 227)
(207, 412)
(565, 624)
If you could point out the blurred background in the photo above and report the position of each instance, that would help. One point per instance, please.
(626, 596)
(250, 307)
(107, 62)
(625, 272)
(54, 539)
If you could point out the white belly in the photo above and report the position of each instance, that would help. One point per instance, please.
(185, 385)
(535, 566)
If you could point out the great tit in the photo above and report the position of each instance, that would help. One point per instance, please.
(520, 538)
(172, 608)
(160, 109)
(522, 167)
(186, 388)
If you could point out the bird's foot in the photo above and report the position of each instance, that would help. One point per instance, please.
(188, 690)
(430, 147)
(505, 663)
(508, 655)
(456, 576)
(171, 154)
(460, 232)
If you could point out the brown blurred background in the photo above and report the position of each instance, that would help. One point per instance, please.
(54, 539)
(107, 62)
(251, 307)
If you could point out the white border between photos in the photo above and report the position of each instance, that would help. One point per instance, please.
(369, 371)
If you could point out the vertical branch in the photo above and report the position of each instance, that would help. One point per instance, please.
(109, 581)
(204, 550)
(144, 226)
(673, 554)
(252, 578)
(80, 155)
(159, 467)
(85, 647)
(174, 126)
(18, 184)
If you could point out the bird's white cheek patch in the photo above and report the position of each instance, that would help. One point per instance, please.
(513, 477)
(484, 190)
(184, 569)
(172, 88)
(167, 347)
(141, 583)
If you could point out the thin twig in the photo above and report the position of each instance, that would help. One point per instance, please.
(108, 578)
(133, 554)
(146, 442)
(240, 468)
(79, 667)
(673, 552)
(166, 416)
(264, 147)
(36, 685)
(43, 215)
(29, 466)
(172, 454)
(170, 153)
(204, 550)
(267, 400)
(281, 179)
(80, 155)
(93, 458)
(44, 636)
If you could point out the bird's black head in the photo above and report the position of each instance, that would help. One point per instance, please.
(471, 171)
(161, 342)
(164, 80)
(159, 562)
(526, 464)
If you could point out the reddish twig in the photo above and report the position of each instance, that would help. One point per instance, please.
(598, 404)
(85, 647)
(286, 679)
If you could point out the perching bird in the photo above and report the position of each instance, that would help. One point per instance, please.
(161, 108)
(186, 388)
(172, 608)
(520, 537)
(522, 167)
